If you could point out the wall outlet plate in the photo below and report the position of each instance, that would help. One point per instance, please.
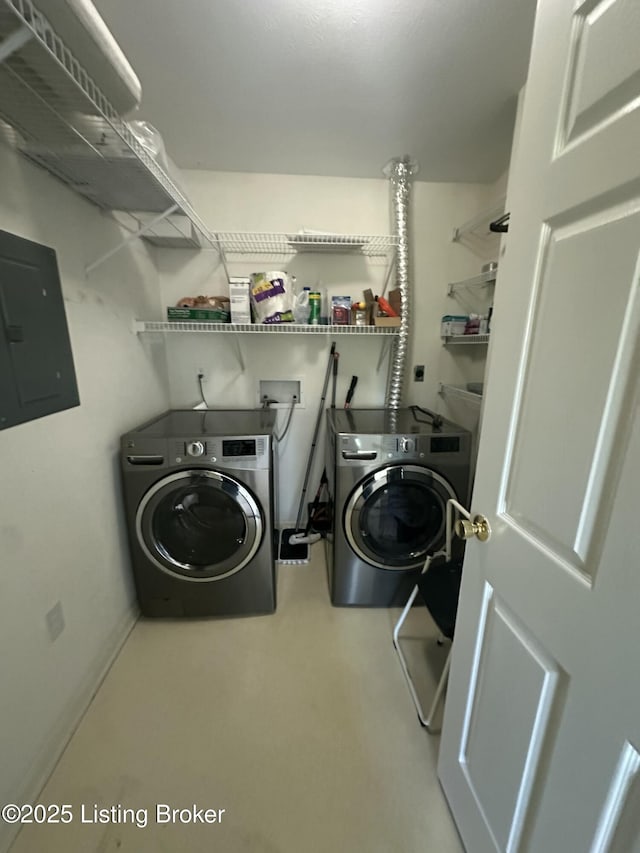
(418, 373)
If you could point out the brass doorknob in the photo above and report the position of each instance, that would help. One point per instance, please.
(479, 527)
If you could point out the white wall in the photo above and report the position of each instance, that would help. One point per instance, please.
(461, 364)
(458, 365)
(251, 202)
(61, 531)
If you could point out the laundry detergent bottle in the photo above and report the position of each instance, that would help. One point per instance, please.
(301, 308)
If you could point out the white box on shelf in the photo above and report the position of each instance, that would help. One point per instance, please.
(239, 299)
(453, 324)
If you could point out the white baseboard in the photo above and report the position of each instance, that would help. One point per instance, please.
(64, 728)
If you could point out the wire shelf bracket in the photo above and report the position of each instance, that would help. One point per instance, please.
(385, 352)
(479, 227)
(133, 236)
(14, 42)
(481, 280)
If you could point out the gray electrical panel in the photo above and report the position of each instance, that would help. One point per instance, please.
(37, 376)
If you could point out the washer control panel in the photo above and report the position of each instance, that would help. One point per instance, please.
(242, 452)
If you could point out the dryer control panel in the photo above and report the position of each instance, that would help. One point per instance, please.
(354, 449)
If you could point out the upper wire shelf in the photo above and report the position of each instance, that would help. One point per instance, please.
(465, 339)
(462, 393)
(242, 242)
(259, 328)
(57, 117)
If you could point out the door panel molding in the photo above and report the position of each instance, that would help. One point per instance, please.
(593, 101)
(562, 436)
(620, 819)
(504, 736)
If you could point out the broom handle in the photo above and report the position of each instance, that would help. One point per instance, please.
(315, 435)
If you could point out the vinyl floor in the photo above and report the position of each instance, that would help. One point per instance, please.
(295, 733)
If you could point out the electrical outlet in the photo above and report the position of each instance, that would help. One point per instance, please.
(55, 621)
(418, 373)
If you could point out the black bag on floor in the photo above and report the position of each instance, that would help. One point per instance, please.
(440, 587)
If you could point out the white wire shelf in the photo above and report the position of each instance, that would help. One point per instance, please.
(465, 339)
(477, 229)
(246, 243)
(481, 280)
(258, 328)
(58, 118)
(462, 393)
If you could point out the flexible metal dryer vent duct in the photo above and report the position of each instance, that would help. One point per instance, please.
(399, 171)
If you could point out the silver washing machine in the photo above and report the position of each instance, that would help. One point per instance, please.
(199, 499)
(390, 475)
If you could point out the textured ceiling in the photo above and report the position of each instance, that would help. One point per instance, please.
(333, 87)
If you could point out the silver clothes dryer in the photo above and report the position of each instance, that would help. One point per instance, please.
(199, 500)
(390, 475)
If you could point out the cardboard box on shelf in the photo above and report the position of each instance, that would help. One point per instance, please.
(240, 301)
(372, 309)
(372, 306)
(205, 315)
(386, 321)
(395, 300)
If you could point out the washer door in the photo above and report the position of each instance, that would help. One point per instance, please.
(396, 516)
(200, 525)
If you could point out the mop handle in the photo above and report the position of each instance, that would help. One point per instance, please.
(335, 379)
(315, 434)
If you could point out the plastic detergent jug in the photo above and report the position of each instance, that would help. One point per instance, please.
(301, 308)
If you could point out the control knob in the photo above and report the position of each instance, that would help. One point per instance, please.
(195, 448)
(407, 445)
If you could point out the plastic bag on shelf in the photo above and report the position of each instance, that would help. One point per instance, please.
(151, 140)
(272, 297)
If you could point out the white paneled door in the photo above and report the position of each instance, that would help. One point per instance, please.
(541, 741)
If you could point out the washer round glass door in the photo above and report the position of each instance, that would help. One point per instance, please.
(198, 524)
(396, 516)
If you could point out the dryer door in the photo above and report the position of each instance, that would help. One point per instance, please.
(396, 516)
(201, 525)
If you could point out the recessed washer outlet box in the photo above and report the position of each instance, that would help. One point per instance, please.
(280, 392)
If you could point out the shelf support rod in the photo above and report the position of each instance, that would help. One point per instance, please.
(238, 349)
(131, 237)
(384, 350)
(15, 41)
(389, 271)
(223, 255)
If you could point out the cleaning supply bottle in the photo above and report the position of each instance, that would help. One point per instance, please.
(301, 308)
(315, 299)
